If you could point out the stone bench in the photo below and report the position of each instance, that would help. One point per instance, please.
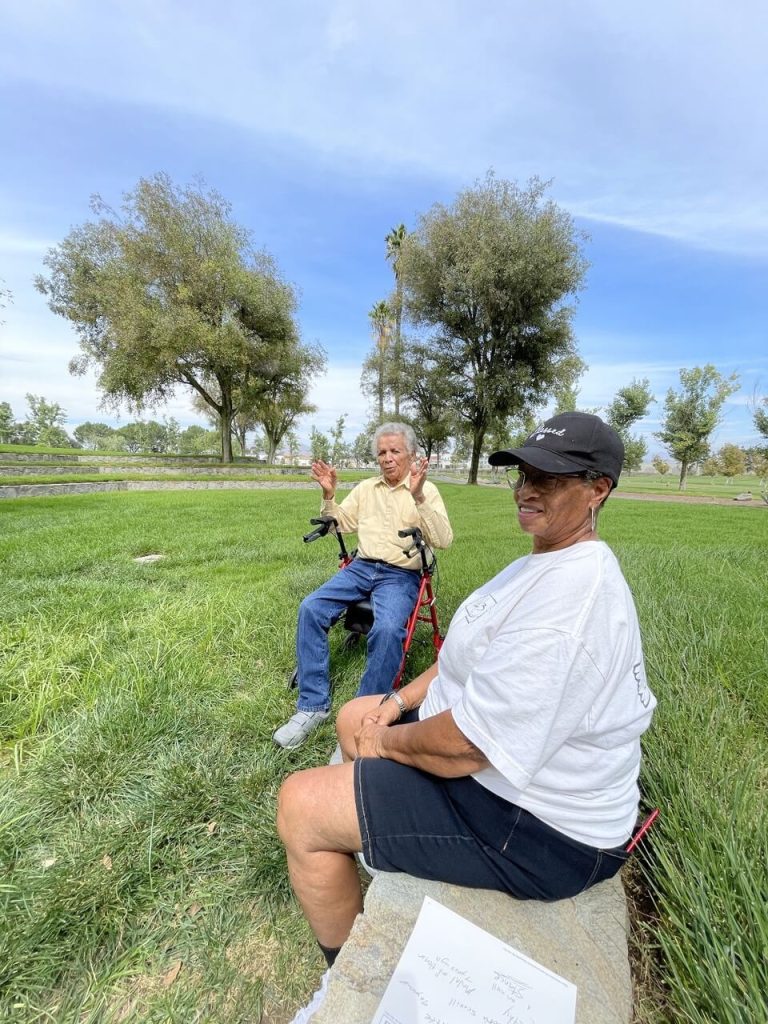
(583, 939)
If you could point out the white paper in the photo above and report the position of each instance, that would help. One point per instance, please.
(452, 972)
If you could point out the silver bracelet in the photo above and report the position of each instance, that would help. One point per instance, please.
(395, 696)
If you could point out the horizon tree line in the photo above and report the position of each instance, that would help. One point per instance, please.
(171, 291)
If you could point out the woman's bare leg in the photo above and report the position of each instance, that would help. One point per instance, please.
(317, 822)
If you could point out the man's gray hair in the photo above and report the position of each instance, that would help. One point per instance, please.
(404, 429)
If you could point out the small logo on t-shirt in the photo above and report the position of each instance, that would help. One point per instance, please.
(479, 607)
(642, 686)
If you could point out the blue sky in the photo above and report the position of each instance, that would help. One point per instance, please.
(325, 125)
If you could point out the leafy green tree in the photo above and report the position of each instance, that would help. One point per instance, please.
(374, 376)
(196, 440)
(46, 420)
(565, 391)
(488, 277)
(292, 443)
(660, 465)
(731, 461)
(462, 445)
(284, 398)
(319, 445)
(145, 436)
(761, 417)
(361, 447)
(691, 414)
(172, 433)
(427, 396)
(630, 405)
(394, 241)
(635, 449)
(167, 293)
(7, 424)
(97, 435)
(278, 414)
(132, 435)
(340, 450)
(155, 436)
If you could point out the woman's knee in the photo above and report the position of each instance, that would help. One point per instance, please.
(350, 716)
(292, 800)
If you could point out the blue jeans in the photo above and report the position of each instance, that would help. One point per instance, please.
(392, 593)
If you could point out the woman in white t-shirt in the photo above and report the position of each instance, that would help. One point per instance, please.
(515, 759)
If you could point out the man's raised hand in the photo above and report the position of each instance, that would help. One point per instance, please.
(325, 475)
(419, 469)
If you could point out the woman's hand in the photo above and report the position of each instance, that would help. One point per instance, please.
(372, 725)
(368, 739)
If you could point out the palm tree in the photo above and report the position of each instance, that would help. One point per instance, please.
(380, 316)
(394, 241)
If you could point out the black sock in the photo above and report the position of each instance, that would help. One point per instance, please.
(329, 954)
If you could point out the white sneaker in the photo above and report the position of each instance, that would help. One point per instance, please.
(305, 1013)
(298, 727)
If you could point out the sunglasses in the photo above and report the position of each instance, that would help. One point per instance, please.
(543, 483)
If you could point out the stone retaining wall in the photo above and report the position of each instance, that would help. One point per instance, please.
(582, 939)
(52, 490)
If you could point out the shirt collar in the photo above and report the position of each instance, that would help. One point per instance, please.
(405, 482)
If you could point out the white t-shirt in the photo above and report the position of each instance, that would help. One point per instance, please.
(542, 669)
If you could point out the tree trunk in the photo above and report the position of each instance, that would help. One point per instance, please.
(683, 475)
(272, 452)
(398, 351)
(477, 444)
(382, 371)
(225, 426)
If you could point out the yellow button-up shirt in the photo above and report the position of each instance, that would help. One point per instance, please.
(376, 511)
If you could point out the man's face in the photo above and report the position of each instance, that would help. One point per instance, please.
(394, 457)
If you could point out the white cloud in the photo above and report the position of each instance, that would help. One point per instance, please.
(337, 393)
(12, 244)
(651, 118)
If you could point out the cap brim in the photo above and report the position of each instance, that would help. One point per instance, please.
(539, 458)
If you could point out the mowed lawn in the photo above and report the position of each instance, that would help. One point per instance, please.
(141, 878)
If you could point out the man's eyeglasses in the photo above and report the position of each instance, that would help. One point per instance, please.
(544, 483)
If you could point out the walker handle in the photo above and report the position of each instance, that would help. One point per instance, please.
(323, 524)
(417, 545)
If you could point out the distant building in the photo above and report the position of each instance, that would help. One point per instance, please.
(301, 459)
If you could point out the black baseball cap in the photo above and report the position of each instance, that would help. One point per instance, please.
(569, 443)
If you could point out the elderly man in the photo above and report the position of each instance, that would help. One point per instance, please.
(376, 509)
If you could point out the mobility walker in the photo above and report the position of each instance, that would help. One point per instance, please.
(358, 617)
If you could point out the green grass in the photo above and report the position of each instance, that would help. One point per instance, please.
(138, 776)
(696, 486)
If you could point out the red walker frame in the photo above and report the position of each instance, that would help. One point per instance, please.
(358, 617)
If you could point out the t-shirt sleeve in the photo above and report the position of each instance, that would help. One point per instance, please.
(525, 697)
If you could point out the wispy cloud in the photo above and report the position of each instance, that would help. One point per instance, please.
(652, 120)
(15, 245)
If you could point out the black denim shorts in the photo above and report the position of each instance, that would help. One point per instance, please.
(455, 830)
